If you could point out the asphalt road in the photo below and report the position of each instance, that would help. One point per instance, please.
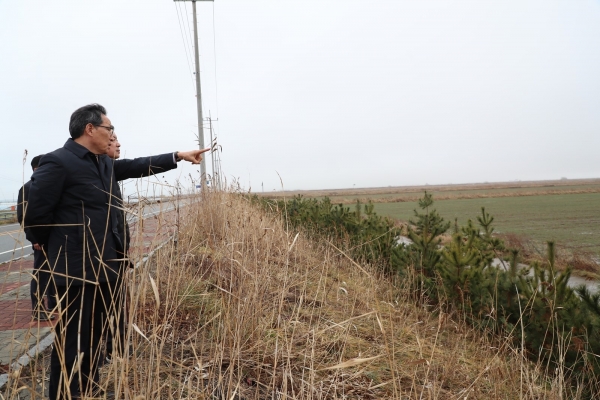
(13, 244)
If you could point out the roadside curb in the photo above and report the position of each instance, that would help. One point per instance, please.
(16, 259)
(23, 361)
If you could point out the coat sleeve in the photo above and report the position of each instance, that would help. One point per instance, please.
(20, 204)
(143, 166)
(22, 200)
(44, 195)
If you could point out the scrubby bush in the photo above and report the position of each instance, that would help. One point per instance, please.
(370, 237)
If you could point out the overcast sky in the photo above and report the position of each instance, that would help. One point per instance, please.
(327, 94)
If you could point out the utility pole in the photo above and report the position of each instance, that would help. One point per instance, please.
(199, 95)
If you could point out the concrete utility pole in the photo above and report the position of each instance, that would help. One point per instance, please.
(199, 94)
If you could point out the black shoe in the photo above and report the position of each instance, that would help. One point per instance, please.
(42, 316)
(96, 394)
(106, 395)
(104, 361)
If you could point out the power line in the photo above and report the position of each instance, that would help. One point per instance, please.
(215, 61)
(185, 46)
(189, 30)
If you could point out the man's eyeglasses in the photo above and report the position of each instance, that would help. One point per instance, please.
(111, 128)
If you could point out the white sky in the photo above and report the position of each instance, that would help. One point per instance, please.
(328, 93)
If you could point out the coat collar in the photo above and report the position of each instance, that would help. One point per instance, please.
(76, 148)
(80, 151)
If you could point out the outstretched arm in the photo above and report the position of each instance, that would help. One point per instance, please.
(145, 166)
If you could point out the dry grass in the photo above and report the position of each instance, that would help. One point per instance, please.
(249, 309)
(240, 307)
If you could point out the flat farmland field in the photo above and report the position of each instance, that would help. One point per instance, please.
(461, 192)
(445, 192)
(566, 211)
(571, 220)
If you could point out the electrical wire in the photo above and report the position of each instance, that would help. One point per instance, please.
(217, 148)
(215, 61)
(188, 44)
(185, 45)
(189, 30)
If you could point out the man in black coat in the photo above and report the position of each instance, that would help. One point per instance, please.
(38, 288)
(72, 215)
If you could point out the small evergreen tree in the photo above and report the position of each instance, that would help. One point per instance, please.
(423, 255)
(425, 233)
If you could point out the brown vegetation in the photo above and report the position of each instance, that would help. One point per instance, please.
(239, 307)
(243, 307)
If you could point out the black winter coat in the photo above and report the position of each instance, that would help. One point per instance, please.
(71, 210)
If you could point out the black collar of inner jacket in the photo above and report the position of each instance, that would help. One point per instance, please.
(78, 149)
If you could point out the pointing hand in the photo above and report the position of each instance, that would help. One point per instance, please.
(193, 156)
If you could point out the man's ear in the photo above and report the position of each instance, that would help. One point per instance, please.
(89, 128)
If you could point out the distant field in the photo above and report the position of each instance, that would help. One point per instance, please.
(571, 220)
(442, 193)
(463, 191)
(566, 211)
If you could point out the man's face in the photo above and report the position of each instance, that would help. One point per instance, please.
(114, 149)
(102, 136)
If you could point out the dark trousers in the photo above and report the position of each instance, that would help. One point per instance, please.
(40, 283)
(81, 325)
(115, 334)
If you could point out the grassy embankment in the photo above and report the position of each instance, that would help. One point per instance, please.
(526, 214)
(241, 307)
